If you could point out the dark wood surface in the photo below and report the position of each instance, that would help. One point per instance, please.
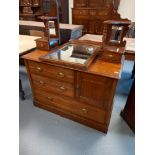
(128, 113)
(92, 14)
(32, 9)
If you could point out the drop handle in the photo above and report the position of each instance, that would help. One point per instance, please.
(62, 88)
(42, 82)
(50, 98)
(84, 110)
(60, 74)
(110, 55)
(39, 69)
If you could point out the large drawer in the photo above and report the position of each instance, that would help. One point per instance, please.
(81, 12)
(103, 12)
(71, 106)
(54, 72)
(48, 84)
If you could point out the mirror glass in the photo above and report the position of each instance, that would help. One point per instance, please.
(116, 34)
(52, 28)
(73, 53)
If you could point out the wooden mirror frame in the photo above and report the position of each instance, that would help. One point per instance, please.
(121, 23)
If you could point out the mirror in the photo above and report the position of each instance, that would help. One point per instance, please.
(116, 31)
(52, 29)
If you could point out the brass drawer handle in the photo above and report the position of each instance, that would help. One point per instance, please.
(62, 88)
(41, 82)
(50, 98)
(110, 55)
(84, 110)
(60, 74)
(39, 69)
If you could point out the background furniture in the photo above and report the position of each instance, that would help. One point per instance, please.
(26, 44)
(92, 14)
(67, 31)
(32, 9)
(128, 113)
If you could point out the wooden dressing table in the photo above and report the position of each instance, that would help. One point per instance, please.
(78, 79)
(85, 96)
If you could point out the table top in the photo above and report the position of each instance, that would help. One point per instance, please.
(26, 43)
(130, 42)
(41, 24)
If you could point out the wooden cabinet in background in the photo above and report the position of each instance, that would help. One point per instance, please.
(92, 14)
(32, 9)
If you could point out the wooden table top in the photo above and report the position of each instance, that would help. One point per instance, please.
(98, 67)
(41, 24)
(26, 43)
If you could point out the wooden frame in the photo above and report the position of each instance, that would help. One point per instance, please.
(72, 64)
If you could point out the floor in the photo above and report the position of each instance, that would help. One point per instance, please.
(45, 133)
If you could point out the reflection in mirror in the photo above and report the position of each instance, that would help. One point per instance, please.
(116, 33)
(52, 28)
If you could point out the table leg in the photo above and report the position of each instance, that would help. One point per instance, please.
(21, 92)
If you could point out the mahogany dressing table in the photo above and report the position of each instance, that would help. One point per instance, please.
(77, 80)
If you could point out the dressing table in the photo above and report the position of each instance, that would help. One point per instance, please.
(76, 81)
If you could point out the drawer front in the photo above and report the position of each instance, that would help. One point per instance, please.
(54, 72)
(111, 57)
(103, 13)
(93, 12)
(49, 85)
(71, 106)
(42, 45)
(80, 12)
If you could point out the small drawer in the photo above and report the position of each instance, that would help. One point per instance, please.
(111, 57)
(71, 106)
(42, 45)
(102, 13)
(93, 12)
(51, 85)
(50, 71)
(81, 12)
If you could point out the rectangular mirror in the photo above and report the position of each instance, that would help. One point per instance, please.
(52, 28)
(116, 34)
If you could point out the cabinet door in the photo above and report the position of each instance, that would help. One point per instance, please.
(99, 27)
(92, 27)
(80, 3)
(95, 90)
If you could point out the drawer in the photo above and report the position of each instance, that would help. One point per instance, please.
(81, 12)
(49, 85)
(42, 45)
(93, 12)
(50, 71)
(111, 57)
(71, 106)
(103, 13)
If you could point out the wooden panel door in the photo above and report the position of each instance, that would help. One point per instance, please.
(92, 24)
(99, 27)
(95, 90)
(80, 3)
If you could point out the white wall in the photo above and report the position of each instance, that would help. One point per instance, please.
(126, 9)
(70, 11)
